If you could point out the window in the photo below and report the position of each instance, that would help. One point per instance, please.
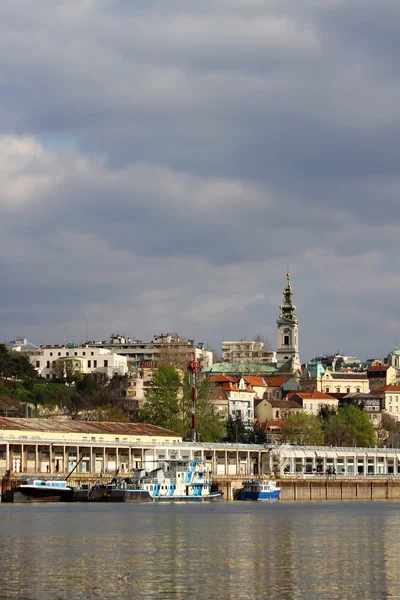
(106, 363)
(67, 354)
(84, 353)
(286, 340)
(48, 364)
(38, 364)
(76, 354)
(348, 390)
(92, 353)
(327, 390)
(338, 390)
(95, 364)
(51, 354)
(358, 390)
(89, 364)
(59, 353)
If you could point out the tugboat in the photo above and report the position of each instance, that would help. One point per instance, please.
(260, 489)
(177, 481)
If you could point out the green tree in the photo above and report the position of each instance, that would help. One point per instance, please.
(209, 425)
(326, 412)
(359, 425)
(257, 434)
(337, 432)
(5, 361)
(15, 364)
(387, 427)
(162, 405)
(66, 370)
(303, 428)
(236, 430)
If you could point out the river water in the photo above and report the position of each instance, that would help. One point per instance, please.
(218, 551)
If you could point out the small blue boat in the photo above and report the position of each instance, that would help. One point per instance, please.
(260, 489)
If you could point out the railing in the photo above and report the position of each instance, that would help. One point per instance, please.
(85, 441)
(340, 476)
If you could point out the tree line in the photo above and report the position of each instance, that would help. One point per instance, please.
(345, 427)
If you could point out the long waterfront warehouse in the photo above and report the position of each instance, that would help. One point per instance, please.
(52, 446)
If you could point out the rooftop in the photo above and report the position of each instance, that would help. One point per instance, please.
(243, 368)
(99, 427)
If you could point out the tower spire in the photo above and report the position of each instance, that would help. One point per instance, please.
(288, 309)
(288, 332)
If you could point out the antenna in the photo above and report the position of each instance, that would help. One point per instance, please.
(65, 331)
(87, 317)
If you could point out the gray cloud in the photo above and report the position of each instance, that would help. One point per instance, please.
(162, 163)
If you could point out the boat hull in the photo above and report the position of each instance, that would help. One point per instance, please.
(32, 494)
(272, 495)
(126, 495)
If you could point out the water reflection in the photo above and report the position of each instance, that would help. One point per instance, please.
(225, 551)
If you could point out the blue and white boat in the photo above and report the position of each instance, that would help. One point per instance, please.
(260, 489)
(174, 481)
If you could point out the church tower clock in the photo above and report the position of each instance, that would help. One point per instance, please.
(288, 332)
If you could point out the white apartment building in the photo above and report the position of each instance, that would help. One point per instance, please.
(91, 360)
(146, 355)
(246, 351)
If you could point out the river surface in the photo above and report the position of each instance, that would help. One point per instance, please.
(218, 551)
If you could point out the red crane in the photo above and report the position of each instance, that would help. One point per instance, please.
(194, 367)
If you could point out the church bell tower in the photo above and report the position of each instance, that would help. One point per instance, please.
(288, 332)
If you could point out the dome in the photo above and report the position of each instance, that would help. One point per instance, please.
(395, 352)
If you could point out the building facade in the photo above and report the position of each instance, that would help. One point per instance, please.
(234, 397)
(50, 446)
(380, 375)
(87, 359)
(315, 377)
(312, 401)
(242, 351)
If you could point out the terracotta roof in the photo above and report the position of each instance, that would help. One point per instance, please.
(348, 375)
(258, 381)
(378, 368)
(84, 427)
(388, 388)
(284, 404)
(234, 387)
(277, 381)
(222, 378)
(219, 394)
(310, 394)
(274, 423)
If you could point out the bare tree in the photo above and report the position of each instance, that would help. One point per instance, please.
(267, 346)
(176, 354)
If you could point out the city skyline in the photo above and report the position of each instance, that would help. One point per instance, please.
(162, 164)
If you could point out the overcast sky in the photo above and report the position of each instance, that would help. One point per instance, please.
(162, 162)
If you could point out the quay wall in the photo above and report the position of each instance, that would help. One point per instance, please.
(292, 489)
(348, 489)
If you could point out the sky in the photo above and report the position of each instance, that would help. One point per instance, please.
(163, 163)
